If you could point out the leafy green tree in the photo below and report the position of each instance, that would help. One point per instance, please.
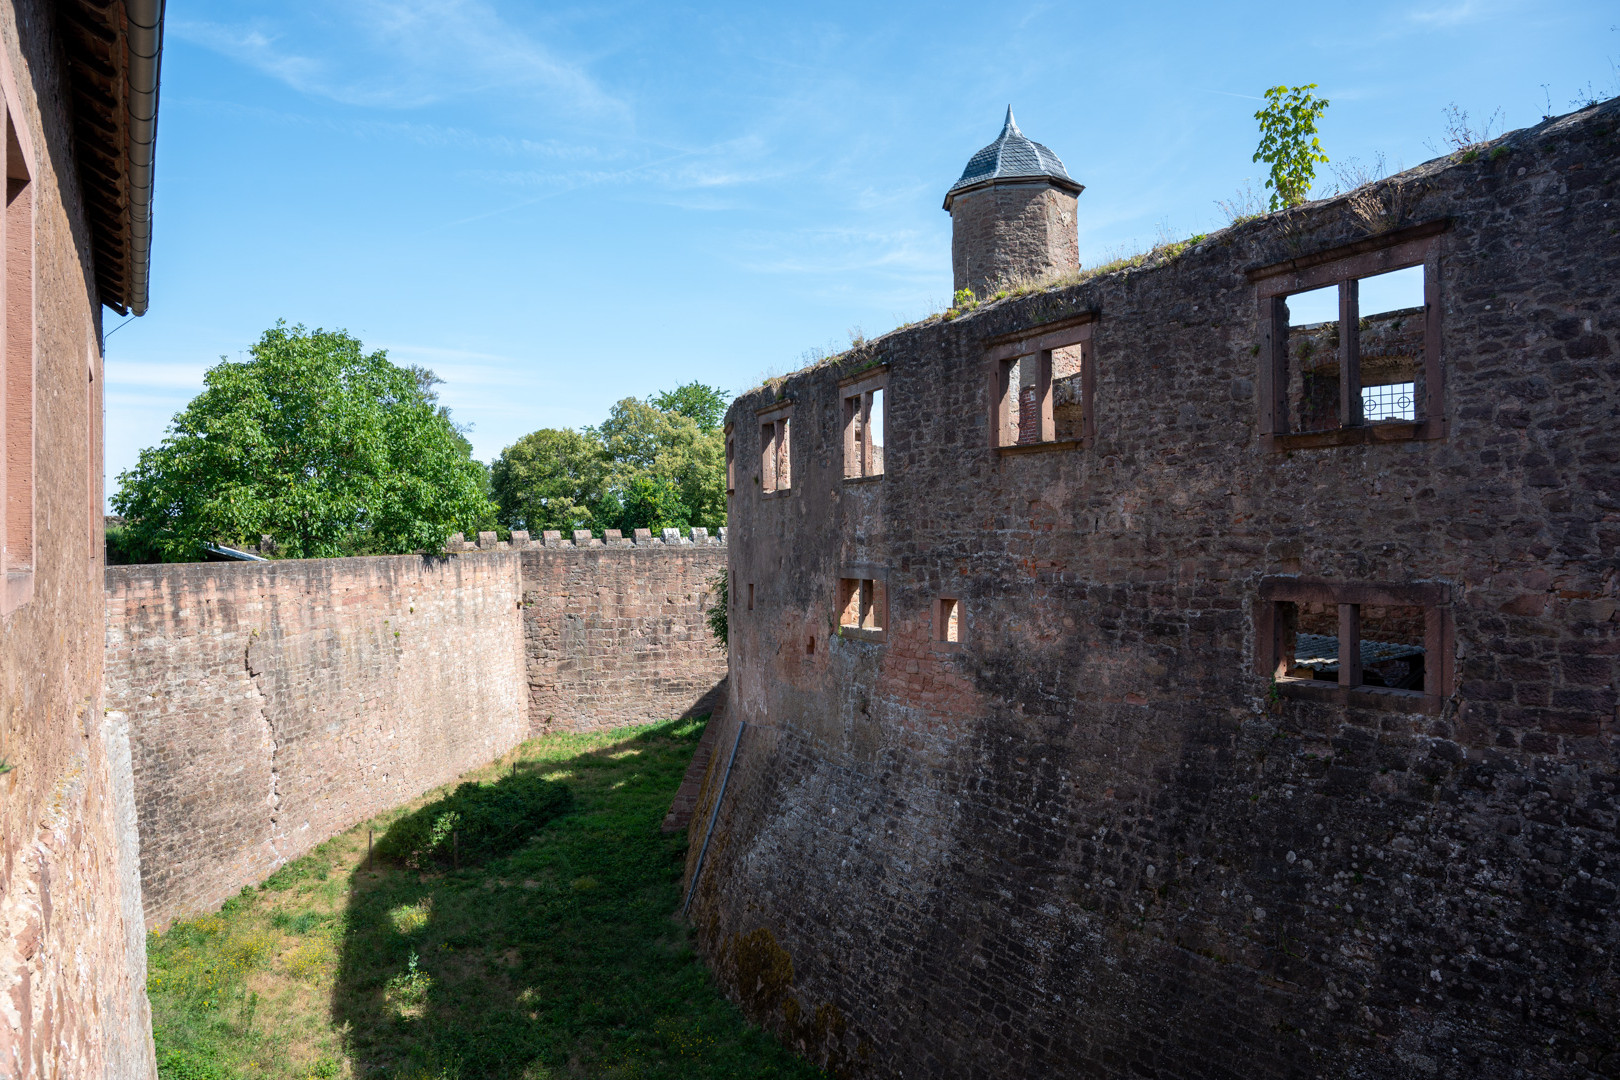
(553, 479)
(719, 611)
(682, 463)
(1288, 142)
(653, 464)
(705, 404)
(326, 448)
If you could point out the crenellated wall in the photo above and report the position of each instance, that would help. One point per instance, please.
(1095, 836)
(273, 704)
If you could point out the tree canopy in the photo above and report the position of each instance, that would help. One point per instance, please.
(324, 447)
(653, 464)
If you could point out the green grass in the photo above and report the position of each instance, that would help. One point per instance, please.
(555, 957)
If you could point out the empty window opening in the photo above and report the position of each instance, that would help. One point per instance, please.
(810, 646)
(1354, 343)
(1041, 390)
(1313, 360)
(863, 427)
(1068, 394)
(776, 462)
(1389, 346)
(750, 596)
(1362, 644)
(19, 361)
(731, 464)
(947, 620)
(1026, 400)
(861, 604)
(1389, 644)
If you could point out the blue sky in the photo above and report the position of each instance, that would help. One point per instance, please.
(557, 206)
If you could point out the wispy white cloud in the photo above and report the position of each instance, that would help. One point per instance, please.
(1449, 15)
(411, 53)
(837, 252)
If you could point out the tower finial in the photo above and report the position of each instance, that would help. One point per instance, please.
(1011, 124)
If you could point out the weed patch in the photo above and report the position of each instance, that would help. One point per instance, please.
(550, 953)
(476, 822)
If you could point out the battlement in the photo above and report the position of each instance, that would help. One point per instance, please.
(584, 538)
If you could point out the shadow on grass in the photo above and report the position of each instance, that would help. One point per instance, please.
(550, 952)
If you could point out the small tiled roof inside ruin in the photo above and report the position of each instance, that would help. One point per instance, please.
(1013, 155)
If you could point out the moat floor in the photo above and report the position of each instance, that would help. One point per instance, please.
(561, 959)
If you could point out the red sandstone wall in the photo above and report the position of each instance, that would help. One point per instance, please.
(1087, 841)
(275, 704)
(616, 635)
(72, 948)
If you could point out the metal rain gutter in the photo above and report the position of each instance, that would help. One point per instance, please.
(232, 553)
(145, 36)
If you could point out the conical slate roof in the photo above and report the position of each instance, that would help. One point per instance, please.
(1013, 155)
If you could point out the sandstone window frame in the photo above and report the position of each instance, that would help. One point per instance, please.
(856, 401)
(1344, 266)
(948, 622)
(731, 461)
(863, 594)
(775, 450)
(1004, 352)
(18, 364)
(1272, 647)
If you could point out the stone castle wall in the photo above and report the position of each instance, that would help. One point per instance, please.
(72, 948)
(617, 635)
(274, 704)
(1093, 838)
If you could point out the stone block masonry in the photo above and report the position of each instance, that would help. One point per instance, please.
(617, 635)
(274, 704)
(1105, 831)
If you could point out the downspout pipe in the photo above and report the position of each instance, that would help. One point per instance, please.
(144, 20)
(714, 815)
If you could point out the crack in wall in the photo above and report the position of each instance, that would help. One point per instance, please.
(262, 712)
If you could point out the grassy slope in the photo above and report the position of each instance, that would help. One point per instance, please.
(560, 960)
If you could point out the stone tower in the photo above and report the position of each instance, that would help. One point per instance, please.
(1012, 214)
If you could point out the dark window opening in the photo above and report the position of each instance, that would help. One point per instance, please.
(1382, 644)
